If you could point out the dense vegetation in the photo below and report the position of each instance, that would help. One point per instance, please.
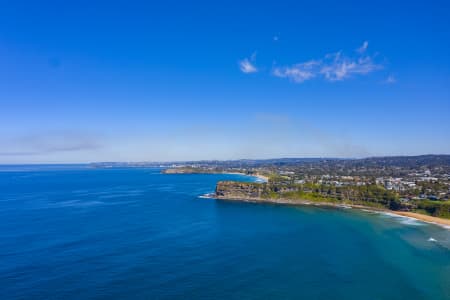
(373, 195)
(434, 208)
(368, 195)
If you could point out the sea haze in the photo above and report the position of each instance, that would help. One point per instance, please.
(133, 233)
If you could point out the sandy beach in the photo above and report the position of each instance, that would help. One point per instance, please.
(262, 177)
(420, 217)
(424, 218)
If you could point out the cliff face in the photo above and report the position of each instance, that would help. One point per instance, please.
(241, 190)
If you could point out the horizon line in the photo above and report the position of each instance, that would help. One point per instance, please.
(219, 160)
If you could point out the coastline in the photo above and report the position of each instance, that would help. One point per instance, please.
(444, 223)
(181, 171)
(424, 218)
(262, 177)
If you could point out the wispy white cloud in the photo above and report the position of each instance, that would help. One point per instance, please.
(49, 143)
(390, 79)
(332, 67)
(363, 47)
(248, 65)
(338, 67)
(298, 72)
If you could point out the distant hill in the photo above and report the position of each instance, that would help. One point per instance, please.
(400, 161)
(404, 161)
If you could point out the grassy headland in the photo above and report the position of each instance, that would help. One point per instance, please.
(371, 197)
(278, 189)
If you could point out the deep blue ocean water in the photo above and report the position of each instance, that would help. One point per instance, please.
(70, 232)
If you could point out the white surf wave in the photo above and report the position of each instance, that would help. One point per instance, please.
(402, 219)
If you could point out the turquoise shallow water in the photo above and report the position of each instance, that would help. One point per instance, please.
(76, 233)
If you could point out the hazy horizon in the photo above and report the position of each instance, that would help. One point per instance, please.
(219, 160)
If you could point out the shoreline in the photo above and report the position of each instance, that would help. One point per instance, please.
(424, 218)
(262, 177)
(444, 223)
(441, 222)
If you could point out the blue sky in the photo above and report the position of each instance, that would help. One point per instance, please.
(133, 81)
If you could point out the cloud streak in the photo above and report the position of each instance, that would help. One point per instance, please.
(248, 65)
(338, 67)
(390, 79)
(332, 67)
(363, 47)
(49, 143)
(298, 72)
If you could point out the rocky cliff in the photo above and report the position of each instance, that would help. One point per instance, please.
(239, 190)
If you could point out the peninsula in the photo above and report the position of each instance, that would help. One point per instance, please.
(383, 202)
(200, 170)
(411, 186)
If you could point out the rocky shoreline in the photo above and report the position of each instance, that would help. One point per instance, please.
(238, 191)
(445, 223)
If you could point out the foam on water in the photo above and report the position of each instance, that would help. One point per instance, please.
(402, 219)
(77, 203)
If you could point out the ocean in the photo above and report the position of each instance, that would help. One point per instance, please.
(73, 232)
